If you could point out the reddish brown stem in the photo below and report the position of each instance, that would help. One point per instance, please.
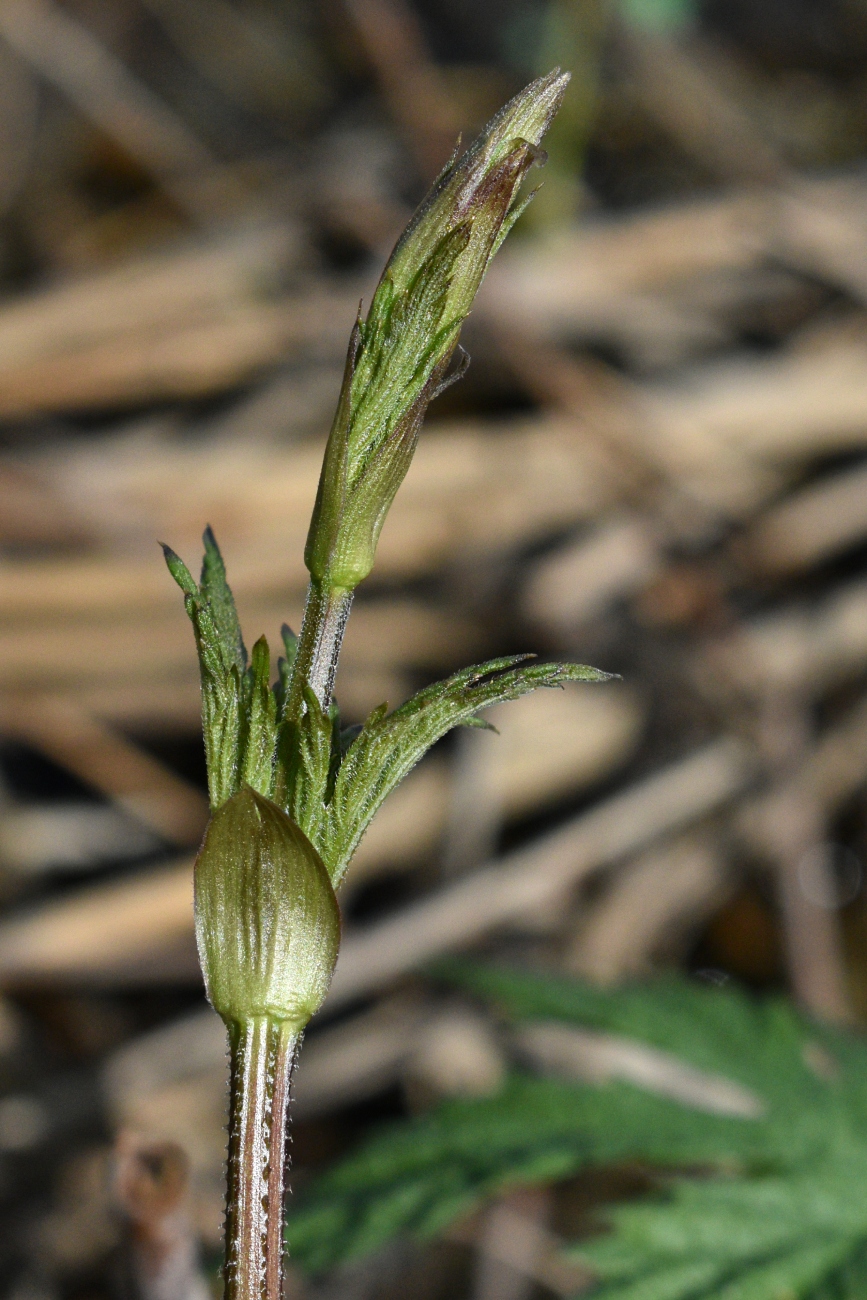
(262, 1055)
(274, 1246)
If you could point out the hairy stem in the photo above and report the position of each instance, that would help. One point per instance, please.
(262, 1055)
(325, 616)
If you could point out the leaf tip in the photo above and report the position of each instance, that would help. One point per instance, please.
(179, 571)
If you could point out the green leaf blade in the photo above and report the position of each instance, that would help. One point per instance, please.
(390, 744)
(257, 768)
(215, 589)
(226, 700)
(778, 1213)
(180, 572)
(313, 757)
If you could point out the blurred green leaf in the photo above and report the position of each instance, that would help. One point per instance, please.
(784, 1217)
(660, 15)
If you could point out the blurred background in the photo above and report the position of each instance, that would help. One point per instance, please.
(657, 463)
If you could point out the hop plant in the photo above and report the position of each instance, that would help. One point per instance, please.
(291, 792)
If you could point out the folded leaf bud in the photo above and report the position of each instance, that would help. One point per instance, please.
(399, 355)
(267, 920)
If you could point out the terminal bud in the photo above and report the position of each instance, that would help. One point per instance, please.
(399, 356)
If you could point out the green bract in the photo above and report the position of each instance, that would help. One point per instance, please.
(399, 355)
(267, 921)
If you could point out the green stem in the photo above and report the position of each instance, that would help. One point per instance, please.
(325, 615)
(262, 1055)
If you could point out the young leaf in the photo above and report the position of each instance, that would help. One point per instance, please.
(304, 762)
(260, 707)
(221, 658)
(215, 589)
(180, 572)
(390, 744)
